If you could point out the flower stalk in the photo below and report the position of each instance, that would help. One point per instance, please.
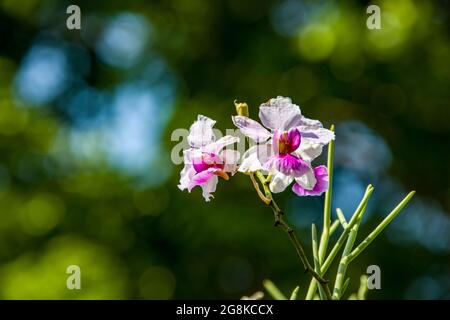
(315, 251)
(279, 222)
(327, 207)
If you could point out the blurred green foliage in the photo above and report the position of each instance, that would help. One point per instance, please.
(135, 235)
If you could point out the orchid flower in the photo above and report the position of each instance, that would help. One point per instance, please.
(286, 148)
(207, 159)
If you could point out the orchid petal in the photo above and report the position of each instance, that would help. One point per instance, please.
(317, 135)
(250, 161)
(312, 123)
(230, 159)
(280, 182)
(308, 180)
(209, 187)
(321, 175)
(288, 164)
(251, 128)
(254, 157)
(264, 152)
(201, 132)
(308, 151)
(189, 155)
(218, 145)
(185, 176)
(201, 178)
(280, 113)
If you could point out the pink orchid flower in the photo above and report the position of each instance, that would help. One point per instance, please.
(286, 148)
(207, 160)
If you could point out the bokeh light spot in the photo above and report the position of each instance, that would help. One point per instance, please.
(316, 42)
(41, 214)
(157, 283)
(124, 40)
(43, 74)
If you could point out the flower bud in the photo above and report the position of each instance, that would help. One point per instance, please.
(241, 108)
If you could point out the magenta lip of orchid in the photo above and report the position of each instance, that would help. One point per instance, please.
(207, 160)
(284, 144)
(286, 141)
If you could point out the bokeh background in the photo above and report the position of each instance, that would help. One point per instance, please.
(86, 118)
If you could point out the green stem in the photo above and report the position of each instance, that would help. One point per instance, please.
(327, 206)
(362, 291)
(316, 256)
(360, 248)
(258, 190)
(353, 221)
(313, 285)
(294, 293)
(279, 222)
(342, 269)
(326, 217)
(341, 218)
(348, 255)
(334, 227)
(273, 290)
(345, 286)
